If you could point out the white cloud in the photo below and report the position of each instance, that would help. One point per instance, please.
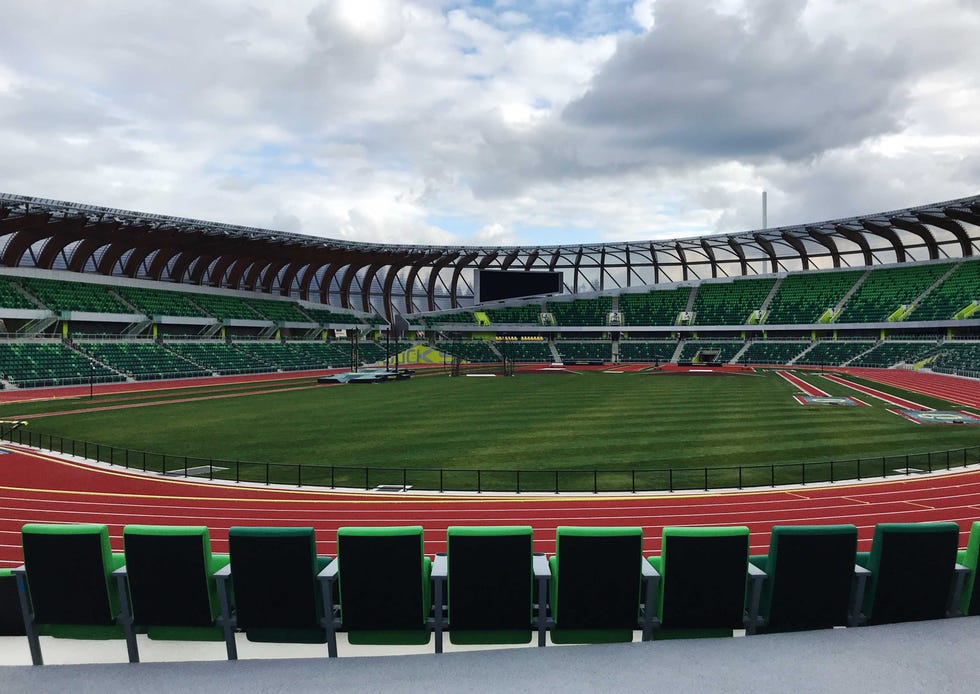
(420, 121)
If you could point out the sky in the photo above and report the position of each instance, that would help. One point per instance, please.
(492, 122)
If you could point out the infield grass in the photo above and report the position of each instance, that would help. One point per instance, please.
(569, 423)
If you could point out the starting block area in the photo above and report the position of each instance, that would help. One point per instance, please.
(938, 416)
(829, 400)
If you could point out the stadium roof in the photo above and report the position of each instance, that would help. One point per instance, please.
(402, 278)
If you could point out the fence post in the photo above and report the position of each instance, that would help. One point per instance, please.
(211, 469)
(595, 481)
(404, 479)
(670, 479)
(238, 471)
(739, 476)
(556, 481)
(332, 470)
(772, 475)
(859, 469)
(479, 489)
(831, 471)
(367, 479)
(705, 478)
(267, 474)
(633, 480)
(440, 480)
(518, 481)
(185, 467)
(144, 461)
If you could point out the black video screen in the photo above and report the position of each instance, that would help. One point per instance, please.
(497, 285)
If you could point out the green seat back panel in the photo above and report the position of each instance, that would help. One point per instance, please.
(168, 581)
(273, 575)
(381, 581)
(598, 581)
(704, 581)
(11, 620)
(810, 574)
(912, 570)
(489, 582)
(68, 575)
(971, 588)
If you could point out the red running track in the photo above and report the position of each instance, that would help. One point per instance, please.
(37, 487)
(963, 391)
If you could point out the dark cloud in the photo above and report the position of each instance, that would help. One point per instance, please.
(752, 86)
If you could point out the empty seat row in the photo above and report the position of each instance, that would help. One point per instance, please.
(488, 587)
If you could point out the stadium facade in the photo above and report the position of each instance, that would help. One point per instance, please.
(393, 279)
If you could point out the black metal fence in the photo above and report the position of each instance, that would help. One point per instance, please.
(595, 481)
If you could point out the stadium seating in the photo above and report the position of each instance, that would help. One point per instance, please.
(324, 354)
(703, 576)
(525, 350)
(771, 352)
(730, 303)
(694, 349)
(477, 351)
(451, 317)
(658, 307)
(60, 295)
(278, 355)
(170, 575)
(957, 292)
(956, 357)
(159, 302)
(833, 352)
(218, 357)
(594, 351)
(635, 350)
(530, 314)
(274, 588)
(891, 352)
(330, 317)
(224, 307)
(278, 311)
(886, 290)
(32, 364)
(490, 597)
(809, 576)
(598, 580)
(804, 297)
(143, 360)
(384, 585)
(912, 569)
(11, 297)
(68, 574)
(581, 311)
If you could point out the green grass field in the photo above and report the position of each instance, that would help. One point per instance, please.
(532, 423)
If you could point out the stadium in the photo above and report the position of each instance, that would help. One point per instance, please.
(163, 371)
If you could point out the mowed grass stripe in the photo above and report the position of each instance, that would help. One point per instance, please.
(530, 423)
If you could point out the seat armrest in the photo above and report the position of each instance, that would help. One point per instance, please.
(223, 573)
(539, 564)
(861, 575)
(121, 572)
(960, 573)
(756, 577)
(647, 570)
(22, 570)
(330, 572)
(440, 567)
(756, 572)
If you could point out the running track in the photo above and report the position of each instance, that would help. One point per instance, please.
(37, 487)
(40, 488)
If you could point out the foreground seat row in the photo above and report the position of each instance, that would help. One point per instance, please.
(489, 587)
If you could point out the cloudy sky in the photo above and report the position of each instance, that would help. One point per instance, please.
(492, 121)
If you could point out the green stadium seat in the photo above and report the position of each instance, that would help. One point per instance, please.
(703, 574)
(886, 290)
(802, 298)
(642, 351)
(67, 573)
(657, 307)
(771, 352)
(477, 351)
(730, 303)
(490, 592)
(273, 575)
(530, 314)
(594, 351)
(601, 587)
(912, 569)
(384, 585)
(970, 558)
(810, 573)
(173, 594)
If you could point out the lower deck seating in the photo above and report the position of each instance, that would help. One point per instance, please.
(771, 352)
(34, 364)
(701, 350)
(142, 360)
(635, 350)
(525, 350)
(957, 357)
(585, 351)
(477, 351)
(218, 357)
(834, 352)
(890, 353)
